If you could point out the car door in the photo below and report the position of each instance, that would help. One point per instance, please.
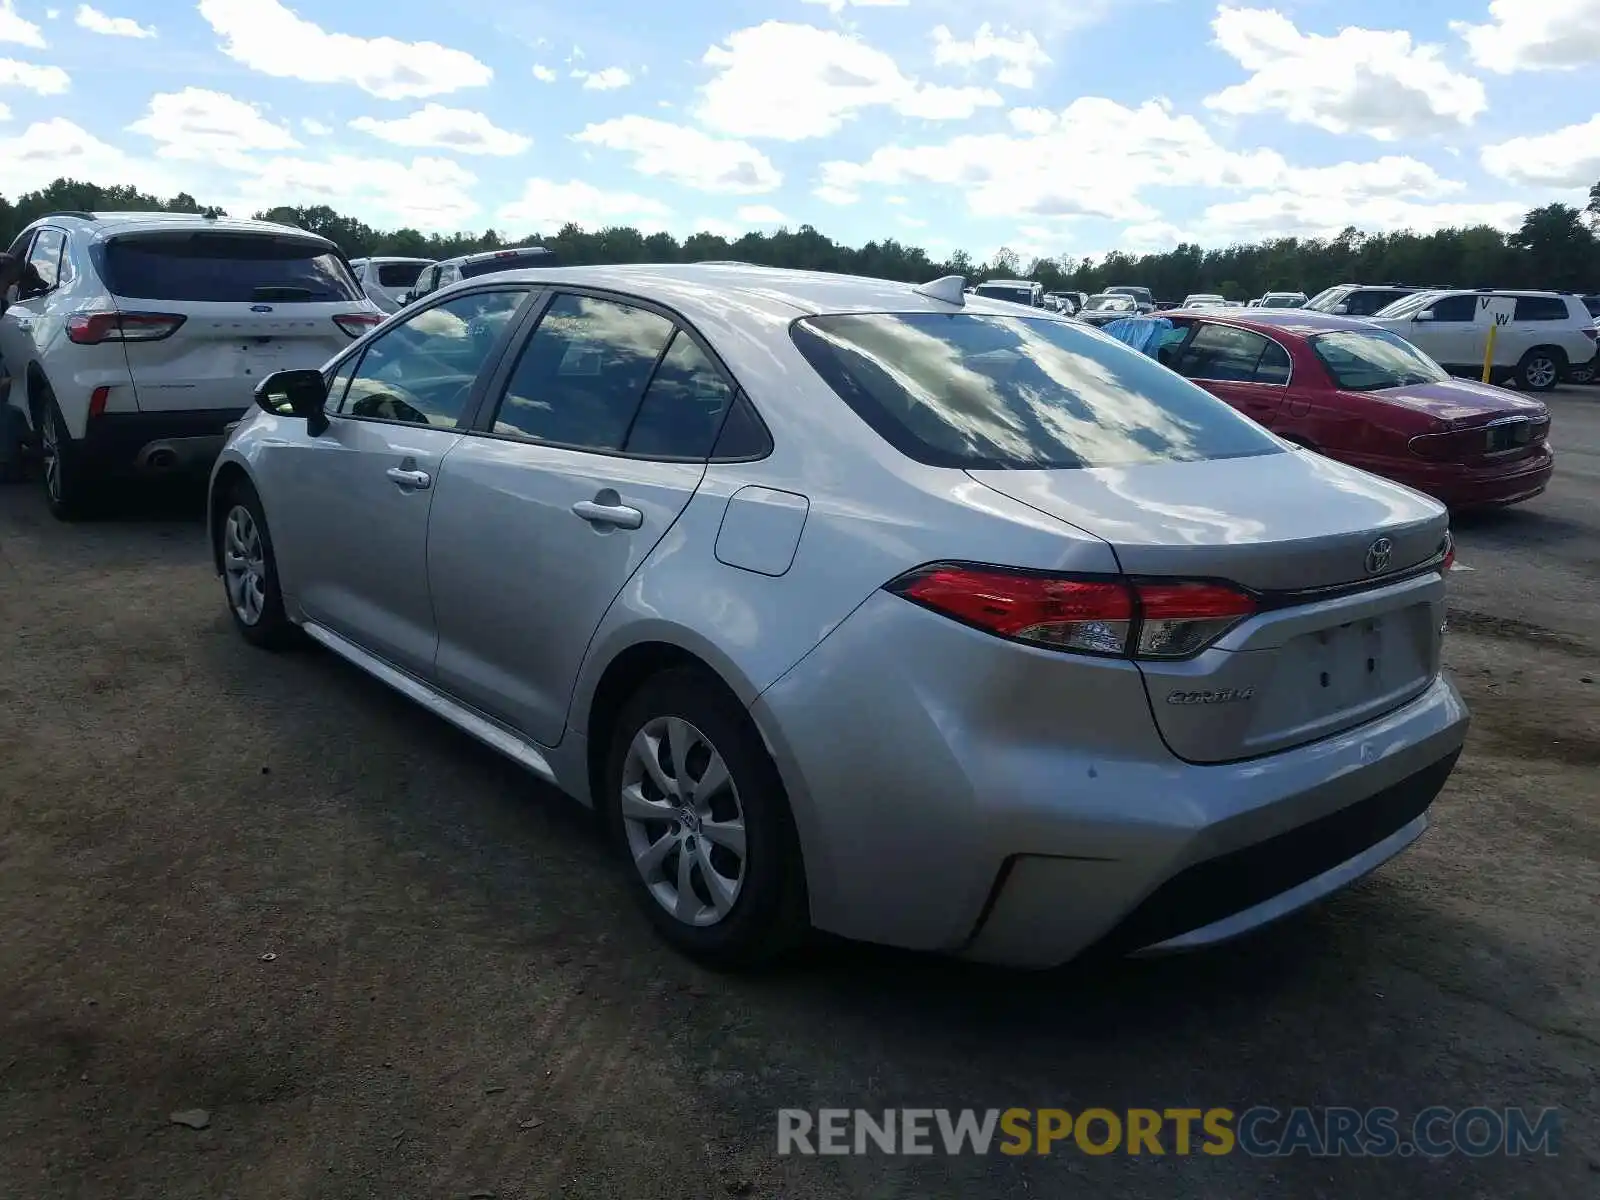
(349, 507)
(1452, 331)
(590, 448)
(27, 326)
(1245, 369)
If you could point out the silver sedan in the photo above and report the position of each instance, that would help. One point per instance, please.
(884, 610)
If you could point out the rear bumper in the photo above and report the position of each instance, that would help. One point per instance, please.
(157, 442)
(1470, 486)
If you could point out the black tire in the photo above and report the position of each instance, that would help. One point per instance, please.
(1541, 369)
(270, 629)
(1581, 374)
(768, 917)
(69, 491)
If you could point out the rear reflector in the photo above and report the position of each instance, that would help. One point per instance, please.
(1114, 616)
(355, 324)
(97, 400)
(1592, 333)
(93, 328)
(1449, 553)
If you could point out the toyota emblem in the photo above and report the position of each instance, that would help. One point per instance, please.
(1378, 556)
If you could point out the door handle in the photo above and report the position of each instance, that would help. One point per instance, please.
(414, 481)
(619, 515)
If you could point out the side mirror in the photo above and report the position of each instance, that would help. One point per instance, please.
(1339, 310)
(295, 394)
(1425, 315)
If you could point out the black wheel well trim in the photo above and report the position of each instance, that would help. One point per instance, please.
(37, 380)
(1555, 352)
(227, 475)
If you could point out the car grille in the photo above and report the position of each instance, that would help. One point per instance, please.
(1220, 887)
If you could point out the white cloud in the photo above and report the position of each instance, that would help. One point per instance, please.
(14, 29)
(686, 156)
(546, 205)
(48, 150)
(204, 126)
(717, 227)
(436, 127)
(1018, 56)
(268, 37)
(838, 6)
(762, 214)
(606, 80)
(543, 74)
(786, 81)
(47, 81)
(1535, 35)
(5, 113)
(1568, 157)
(425, 193)
(1367, 81)
(96, 21)
(315, 127)
(1042, 174)
(1286, 214)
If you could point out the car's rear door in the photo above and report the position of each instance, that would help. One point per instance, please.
(592, 444)
(224, 309)
(1248, 370)
(349, 507)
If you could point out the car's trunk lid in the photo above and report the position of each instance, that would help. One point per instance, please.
(1347, 627)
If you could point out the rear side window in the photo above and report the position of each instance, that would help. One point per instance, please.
(1223, 354)
(683, 406)
(508, 262)
(399, 275)
(968, 390)
(1540, 308)
(225, 268)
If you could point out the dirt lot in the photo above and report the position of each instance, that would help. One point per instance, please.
(462, 1000)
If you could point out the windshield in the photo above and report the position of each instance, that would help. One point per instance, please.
(1366, 361)
(1325, 300)
(1407, 305)
(1138, 293)
(1117, 303)
(1282, 300)
(1202, 299)
(1017, 295)
(973, 391)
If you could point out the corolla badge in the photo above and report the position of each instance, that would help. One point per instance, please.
(1378, 555)
(1219, 696)
(261, 308)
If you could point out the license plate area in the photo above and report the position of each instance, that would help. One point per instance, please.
(1352, 663)
(1510, 435)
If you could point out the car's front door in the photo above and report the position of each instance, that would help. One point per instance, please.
(594, 444)
(27, 326)
(1249, 371)
(350, 516)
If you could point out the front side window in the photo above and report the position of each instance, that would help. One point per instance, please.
(1369, 360)
(1223, 354)
(580, 377)
(1456, 308)
(226, 268)
(45, 257)
(427, 283)
(421, 371)
(972, 391)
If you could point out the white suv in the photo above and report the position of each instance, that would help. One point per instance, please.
(387, 280)
(141, 337)
(1538, 335)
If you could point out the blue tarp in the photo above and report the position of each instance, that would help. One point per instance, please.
(1144, 334)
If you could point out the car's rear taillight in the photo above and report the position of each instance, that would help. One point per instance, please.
(1449, 553)
(355, 324)
(1592, 333)
(1125, 618)
(93, 328)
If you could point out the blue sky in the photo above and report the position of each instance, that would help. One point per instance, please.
(1056, 127)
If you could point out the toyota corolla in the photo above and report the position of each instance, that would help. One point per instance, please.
(884, 610)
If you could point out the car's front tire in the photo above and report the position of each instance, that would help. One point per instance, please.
(250, 571)
(698, 811)
(1541, 369)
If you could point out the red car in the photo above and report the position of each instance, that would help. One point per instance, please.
(1367, 397)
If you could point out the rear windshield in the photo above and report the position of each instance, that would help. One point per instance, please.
(226, 268)
(995, 291)
(399, 274)
(1367, 360)
(974, 391)
(508, 262)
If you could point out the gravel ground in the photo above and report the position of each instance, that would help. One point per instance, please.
(386, 964)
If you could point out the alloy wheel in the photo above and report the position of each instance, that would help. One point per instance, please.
(684, 822)
(50, 451)
(1540, 372)
(244, 565)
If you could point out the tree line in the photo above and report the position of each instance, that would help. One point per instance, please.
(1557, 246)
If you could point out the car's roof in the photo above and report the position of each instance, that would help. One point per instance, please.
(128, 222)
(1023, 283)
(1513, 293)
(384, 259)
(760, 291)
(1301, 321)
(502, 252)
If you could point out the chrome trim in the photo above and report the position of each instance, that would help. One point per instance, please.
(490, 733)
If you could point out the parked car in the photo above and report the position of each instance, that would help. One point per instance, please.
(385, 281)
(1108, 307)
(1017, 291)
(1538, 335)
(1146, 301)
(1203, 300)
(1359, 299)
(1282, 300)
(146, 333)
(472, 266)
(1065, 302)
(1367, 397)
(806, 583)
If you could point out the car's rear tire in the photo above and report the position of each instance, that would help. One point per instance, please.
(250, 571)
(1541, 368)
(698, 813)
(1584, 373)
(69, 490)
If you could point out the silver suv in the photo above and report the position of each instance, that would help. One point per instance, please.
(136, 340)
(918, 617)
